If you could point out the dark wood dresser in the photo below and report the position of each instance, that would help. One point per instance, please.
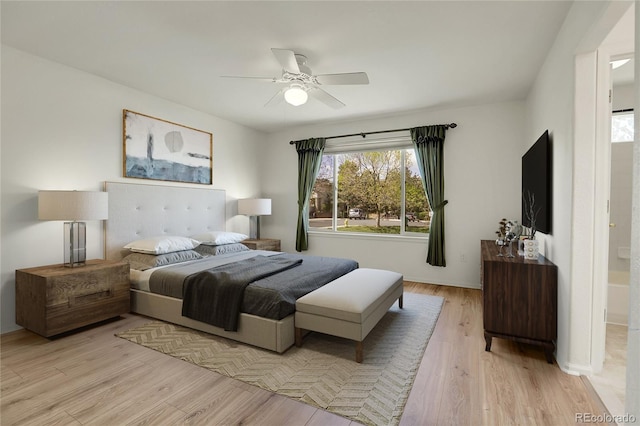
(520, 298)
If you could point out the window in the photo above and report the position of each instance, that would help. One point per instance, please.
(377, 192)
(622, 127)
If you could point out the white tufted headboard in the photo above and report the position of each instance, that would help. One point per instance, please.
(141, 211)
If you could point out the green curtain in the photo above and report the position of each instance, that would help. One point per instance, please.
(309, 159)
(428, 142)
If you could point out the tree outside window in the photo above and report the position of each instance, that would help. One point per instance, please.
(377, 192)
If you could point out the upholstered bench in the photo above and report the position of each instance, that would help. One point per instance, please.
(349, 306)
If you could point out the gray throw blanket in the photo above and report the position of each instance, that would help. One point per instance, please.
(215, 296)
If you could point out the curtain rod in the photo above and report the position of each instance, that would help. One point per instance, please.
(364, 134)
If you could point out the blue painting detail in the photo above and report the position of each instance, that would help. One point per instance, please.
(167, 170)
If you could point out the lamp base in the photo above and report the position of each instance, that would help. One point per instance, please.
(75, 244)
(254, 227)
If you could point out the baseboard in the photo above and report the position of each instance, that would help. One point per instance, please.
(617, 319)
(448, 284)
(576, 369)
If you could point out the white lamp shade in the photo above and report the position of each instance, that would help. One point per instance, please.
(254, 206)
(72, 205)
(295, 96)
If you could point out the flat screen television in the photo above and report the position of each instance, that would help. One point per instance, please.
(537, 184)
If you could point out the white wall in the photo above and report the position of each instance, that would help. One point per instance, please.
(632, 391)
(621, 192)
(482, 184)
(623, 96)
(62, 129)
(550, 105)
(621, 186)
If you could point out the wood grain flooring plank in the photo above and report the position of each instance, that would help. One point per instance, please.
(226, 408)
(209, 386)
(27, 400)
(423, 406)
(61, 390)
(111, 404)
(47, 418)
(161, 414)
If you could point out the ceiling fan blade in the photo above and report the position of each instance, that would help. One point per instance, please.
(277, 98)
(271, 79)
(287, 60)
(325, 98)
(344, 78)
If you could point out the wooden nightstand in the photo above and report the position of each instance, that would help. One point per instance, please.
(53, 299)
(263, 244)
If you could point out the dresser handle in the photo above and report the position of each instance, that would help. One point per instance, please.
(87, 298)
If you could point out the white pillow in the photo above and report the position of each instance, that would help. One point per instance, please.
(162, 245)
(216, 238)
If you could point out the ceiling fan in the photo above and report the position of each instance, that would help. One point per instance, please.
(301, 83)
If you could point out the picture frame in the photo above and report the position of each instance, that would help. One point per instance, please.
(159, 149)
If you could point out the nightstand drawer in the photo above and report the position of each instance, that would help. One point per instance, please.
(53, 299)
(270, 244)
(73, 289)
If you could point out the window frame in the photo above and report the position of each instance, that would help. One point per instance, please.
(394, 143)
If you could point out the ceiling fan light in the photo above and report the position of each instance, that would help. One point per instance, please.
(296, 95)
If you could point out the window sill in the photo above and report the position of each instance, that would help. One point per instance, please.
(419, 239)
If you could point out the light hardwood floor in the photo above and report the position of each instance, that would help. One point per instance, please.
(610, 383)
(93, 377)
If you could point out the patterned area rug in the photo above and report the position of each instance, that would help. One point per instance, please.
(323, 372)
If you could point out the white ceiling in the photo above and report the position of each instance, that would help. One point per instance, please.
(623, 35)
(417, 54)
(624, 74)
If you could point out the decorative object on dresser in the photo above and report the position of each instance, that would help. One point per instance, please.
(531, 249)
(72, 206)
(508, 232)
(530, 245)
(520, 299)
(263, 244)
(254, 208)
(159, 149)
(53, 299)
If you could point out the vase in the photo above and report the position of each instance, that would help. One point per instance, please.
(531, 249)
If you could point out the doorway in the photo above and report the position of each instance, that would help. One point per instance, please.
(592, 172)
(610, 382)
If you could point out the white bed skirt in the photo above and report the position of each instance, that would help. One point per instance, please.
(274, 335)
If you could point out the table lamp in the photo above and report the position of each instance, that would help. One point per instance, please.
(72, 207)
(255, 207)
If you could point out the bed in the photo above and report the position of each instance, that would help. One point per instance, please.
(138, 211)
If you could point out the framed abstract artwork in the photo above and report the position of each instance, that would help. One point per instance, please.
(159, 149)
